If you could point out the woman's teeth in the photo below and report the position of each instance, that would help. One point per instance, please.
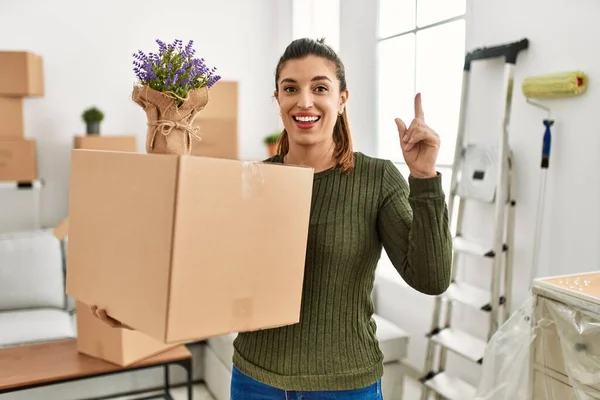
(307, 119)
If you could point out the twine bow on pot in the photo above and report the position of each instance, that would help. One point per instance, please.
(165, 127)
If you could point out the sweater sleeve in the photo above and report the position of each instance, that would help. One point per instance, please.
(414, 230)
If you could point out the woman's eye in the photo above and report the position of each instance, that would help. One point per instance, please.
(321, 89)
(289, 89)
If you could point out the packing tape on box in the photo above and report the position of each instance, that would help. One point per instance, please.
(252, 178)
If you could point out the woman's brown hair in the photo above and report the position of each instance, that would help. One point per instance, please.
(342, 137)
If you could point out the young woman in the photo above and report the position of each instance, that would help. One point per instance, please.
(360, 205)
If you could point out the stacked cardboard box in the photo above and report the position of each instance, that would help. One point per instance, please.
(106, 142)
(119, 346)
(218, 123)
(21, 76)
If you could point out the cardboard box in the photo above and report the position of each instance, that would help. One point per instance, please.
(18, 160)
(116, 345)
(218, 123)
(97, 339)
(21, 74)
(223, 101)
(109, 143)
(183, 248)
(11, 115)
(219, 139)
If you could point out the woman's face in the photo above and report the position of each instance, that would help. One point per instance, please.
(309, 100)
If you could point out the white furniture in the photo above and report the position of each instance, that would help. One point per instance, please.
(33, 304)
(393, 342)
(24, 200)
(565, 351)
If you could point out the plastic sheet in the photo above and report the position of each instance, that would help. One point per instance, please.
(505, 369)
(550, 348)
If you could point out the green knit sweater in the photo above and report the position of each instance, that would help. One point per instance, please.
(334, 346)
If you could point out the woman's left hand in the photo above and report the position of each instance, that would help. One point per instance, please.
(420, 144)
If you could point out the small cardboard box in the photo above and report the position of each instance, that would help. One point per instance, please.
(21, 74)
(116, 345)
(11, 115)
(183, 248)
(218, 123)
(18, 160)
(108, 142)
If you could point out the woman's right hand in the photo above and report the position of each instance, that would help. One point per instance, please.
(103, 316)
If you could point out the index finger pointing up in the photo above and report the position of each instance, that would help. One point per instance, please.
(419, 108)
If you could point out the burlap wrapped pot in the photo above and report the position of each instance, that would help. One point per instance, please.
(171, 128)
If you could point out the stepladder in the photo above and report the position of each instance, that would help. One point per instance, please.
(482, 172)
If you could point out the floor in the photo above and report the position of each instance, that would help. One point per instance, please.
(411, 392)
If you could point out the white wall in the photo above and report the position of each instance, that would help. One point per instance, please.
(87, 50)
(358, 46)
(572, 216)
(571, 234)
(317, 19)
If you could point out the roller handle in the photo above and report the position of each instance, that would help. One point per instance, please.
(547, 142)
(509, 51)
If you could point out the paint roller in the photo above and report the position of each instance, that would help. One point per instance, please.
(563, 84)
(550, 86)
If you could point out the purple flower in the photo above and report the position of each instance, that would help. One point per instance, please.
(189, 49)
(174, 68)
(162, 47)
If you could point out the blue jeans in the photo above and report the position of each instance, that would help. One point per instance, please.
(245, 388)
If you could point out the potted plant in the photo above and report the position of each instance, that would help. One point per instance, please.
(92, 118)
(271, 141)
(172, 89)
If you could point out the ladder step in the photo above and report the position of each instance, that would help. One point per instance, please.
(463, 245)
(469, 295)
(461, 343)
(452, 388)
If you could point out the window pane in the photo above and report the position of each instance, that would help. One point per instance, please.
(432, 11)
(396, 16)
(440, 59)
(396, 85)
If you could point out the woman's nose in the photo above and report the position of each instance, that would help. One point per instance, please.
(305, 100)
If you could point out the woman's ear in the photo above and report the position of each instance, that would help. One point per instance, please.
(343, 100)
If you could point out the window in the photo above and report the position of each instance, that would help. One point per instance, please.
(421, 48)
